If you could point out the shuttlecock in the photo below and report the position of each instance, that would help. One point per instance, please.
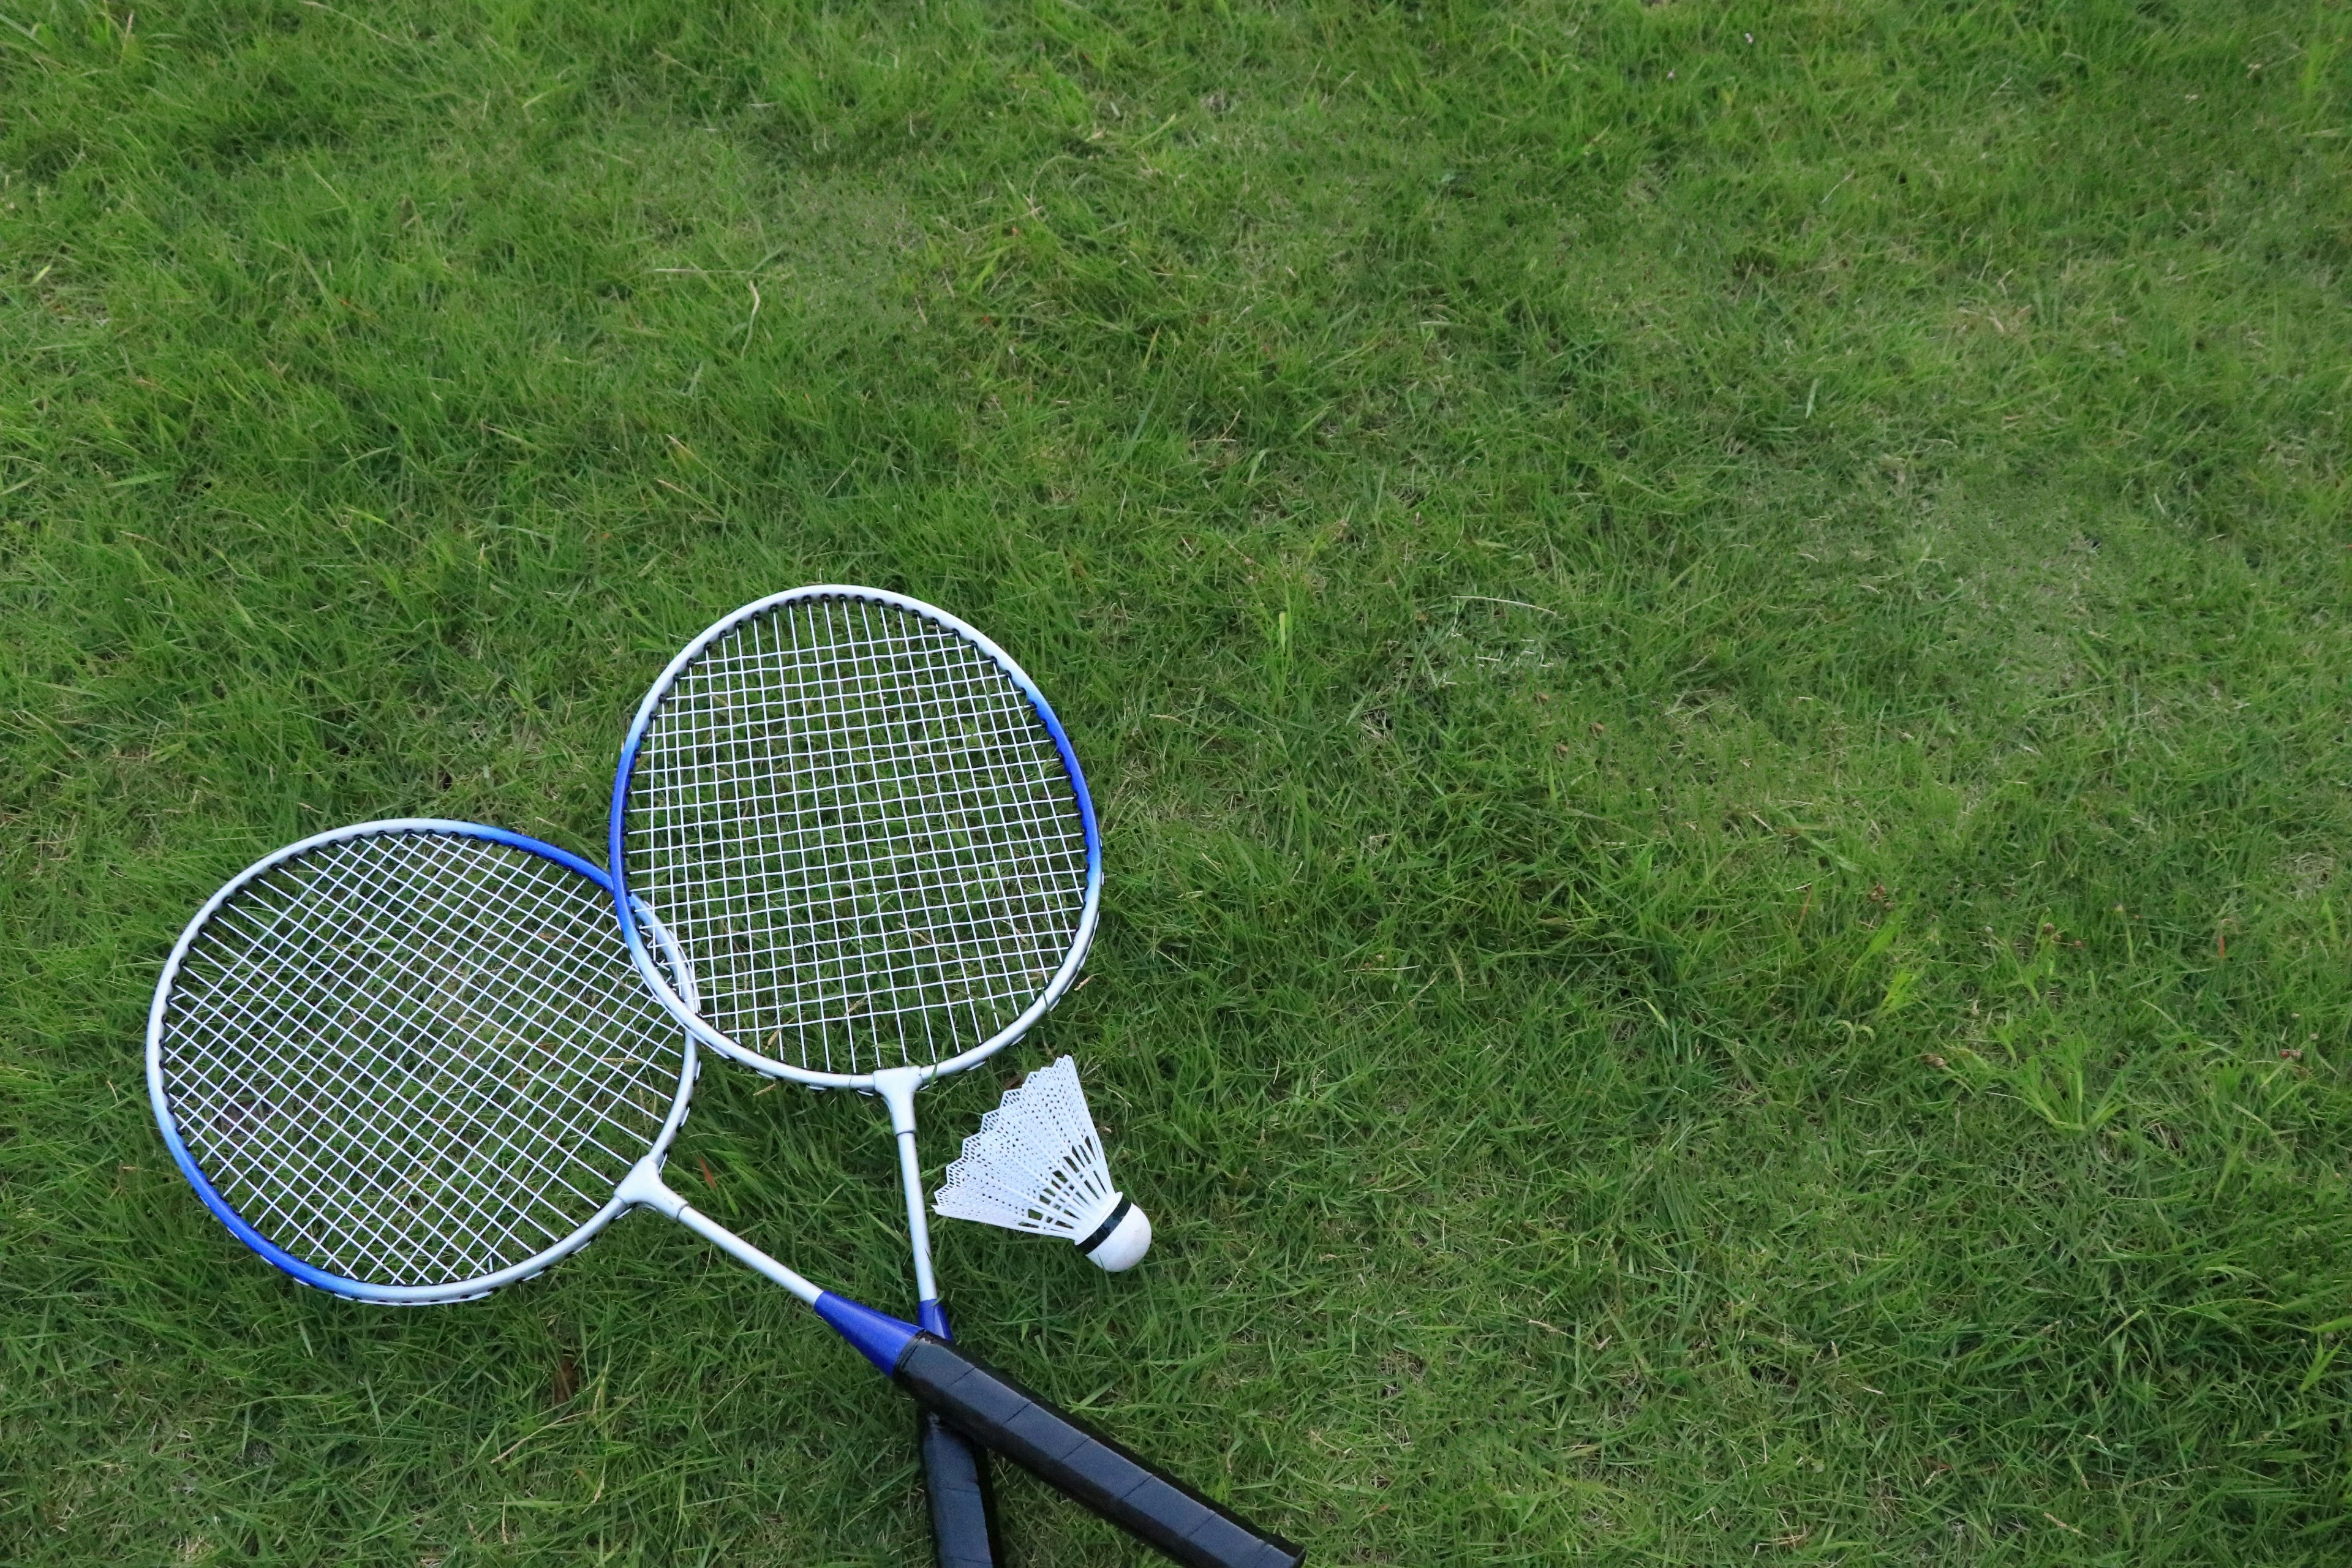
(1036, 1164)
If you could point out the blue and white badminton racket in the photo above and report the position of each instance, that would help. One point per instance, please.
(410, 1062)
(867, 832)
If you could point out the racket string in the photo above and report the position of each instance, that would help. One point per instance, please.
(470, 1126)
(855, 822)
(374, 1054)
(846, 716)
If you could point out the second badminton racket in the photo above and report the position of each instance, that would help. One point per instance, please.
(865, 829)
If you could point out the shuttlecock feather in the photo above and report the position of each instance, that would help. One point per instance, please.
(1036, 1164)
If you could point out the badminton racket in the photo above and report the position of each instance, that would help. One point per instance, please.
(865, 829)
(410, 1062)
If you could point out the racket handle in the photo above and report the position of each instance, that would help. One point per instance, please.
(1081, 1463)
(963, 1506)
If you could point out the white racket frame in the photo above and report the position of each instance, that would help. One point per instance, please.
(896, 1086)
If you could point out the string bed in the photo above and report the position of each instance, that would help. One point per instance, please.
(857, 828)
(415, 1059)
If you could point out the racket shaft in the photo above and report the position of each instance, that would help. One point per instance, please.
(1081, 1463)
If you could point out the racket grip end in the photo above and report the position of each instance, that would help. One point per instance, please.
(1086, 1467)
(963, 1506)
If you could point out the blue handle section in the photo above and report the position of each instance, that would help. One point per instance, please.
(879, 1337)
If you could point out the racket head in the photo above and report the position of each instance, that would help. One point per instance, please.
(872, 789)
(408, 1061)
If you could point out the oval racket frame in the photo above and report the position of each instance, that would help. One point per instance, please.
(159, 1013)
(688, 1011)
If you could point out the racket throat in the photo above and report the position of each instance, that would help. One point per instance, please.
(896, 1086)
(643, 1187)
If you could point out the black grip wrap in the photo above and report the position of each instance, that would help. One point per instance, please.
(1082, 1464)
(963, 1508)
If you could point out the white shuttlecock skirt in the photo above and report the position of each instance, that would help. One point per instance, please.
(1036, 1164)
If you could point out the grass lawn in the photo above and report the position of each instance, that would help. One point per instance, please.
(1714, 639)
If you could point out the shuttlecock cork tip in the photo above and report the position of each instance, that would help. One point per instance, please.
(1122, 1240)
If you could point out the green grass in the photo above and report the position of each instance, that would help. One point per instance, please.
(1713, 639)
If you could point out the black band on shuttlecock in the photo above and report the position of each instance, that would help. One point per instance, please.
(1102, 1231)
